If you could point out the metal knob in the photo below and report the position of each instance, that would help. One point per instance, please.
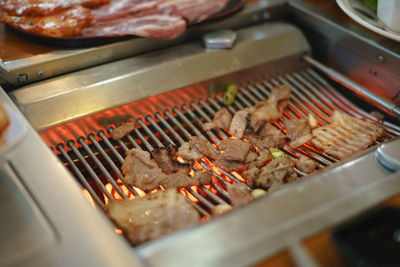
(219, 39)
(389, 155)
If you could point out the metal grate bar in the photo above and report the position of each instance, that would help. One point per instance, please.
(81, 141)
(112, 165)
(89, 169)
(81, 178)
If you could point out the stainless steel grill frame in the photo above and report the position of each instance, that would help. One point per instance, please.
(278, 221)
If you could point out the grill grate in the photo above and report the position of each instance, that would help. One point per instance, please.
(96, 159)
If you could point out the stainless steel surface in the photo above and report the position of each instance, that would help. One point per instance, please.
(3, 69)
(68, 60)
(89, 91)
(47, 212)
(364, 57)
(371, 97)
(219, 39)
(388, 155)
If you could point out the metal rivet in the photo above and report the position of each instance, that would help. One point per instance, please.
(40, 74)
(380, 59)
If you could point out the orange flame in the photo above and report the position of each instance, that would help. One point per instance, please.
(88, 197)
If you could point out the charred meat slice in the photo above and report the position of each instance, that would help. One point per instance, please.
(270, 110)
(44, 7)
(269, 130)
(230, 165)
(279, 170)
(305, 164)
(64, 24)
(276, 141)
(164, 157)
(122, 130)
(239, 193)
(239, 123)
(196, 148)
(181, 178)
(142, 171)
(222, 119)
(153, 216)
(345, 135)
(299, 131)
(234, 149)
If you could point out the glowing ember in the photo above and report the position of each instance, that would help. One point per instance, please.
(188, 195)
(238, 176)
(117, 230)
(89, 197)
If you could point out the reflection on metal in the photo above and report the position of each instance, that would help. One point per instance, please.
(3, 69)
(389, 155)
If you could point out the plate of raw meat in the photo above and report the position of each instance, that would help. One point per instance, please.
(111, 19)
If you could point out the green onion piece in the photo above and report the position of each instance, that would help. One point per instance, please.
(277, 153)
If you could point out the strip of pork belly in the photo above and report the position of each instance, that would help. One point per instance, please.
(234, 149)
(153, 23)
(222, 120)
(194, 10)
(65, 24)
(239, 193)
(152, 216)
(44, 7)
(270, 110)
(164, 157)
(275, 141)
(121, 8)
(299, 131)
(196, 148)
(239, 123)
(122, 130)
(345, 135)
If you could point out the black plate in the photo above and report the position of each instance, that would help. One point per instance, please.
(232, 7)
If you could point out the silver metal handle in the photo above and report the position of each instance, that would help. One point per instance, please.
(3, 68)
(381, 102)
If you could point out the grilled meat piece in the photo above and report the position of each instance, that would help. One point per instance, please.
(251, 156)
(44, 7)
(194, 10)
(153, 216)
(305, 164)
(276, 141)
(196, 148)
(234, 149)
(142, 171)
(299, 131)
(65, 24)
(270, 110)
(222, 119)
(239, 123)
(239, 193)
(122, 130)
(345, 135)
(280, 170)
(164, 157)
(230, 165)
(269, 130)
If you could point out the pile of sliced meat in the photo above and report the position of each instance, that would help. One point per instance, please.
(161, 19)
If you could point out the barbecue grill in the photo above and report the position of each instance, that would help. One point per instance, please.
(63, 189)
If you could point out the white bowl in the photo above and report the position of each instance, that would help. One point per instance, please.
(389, 14)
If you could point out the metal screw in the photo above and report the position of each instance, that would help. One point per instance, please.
(380, 59)
(22, 78)
(266, 15)
(40, 74)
